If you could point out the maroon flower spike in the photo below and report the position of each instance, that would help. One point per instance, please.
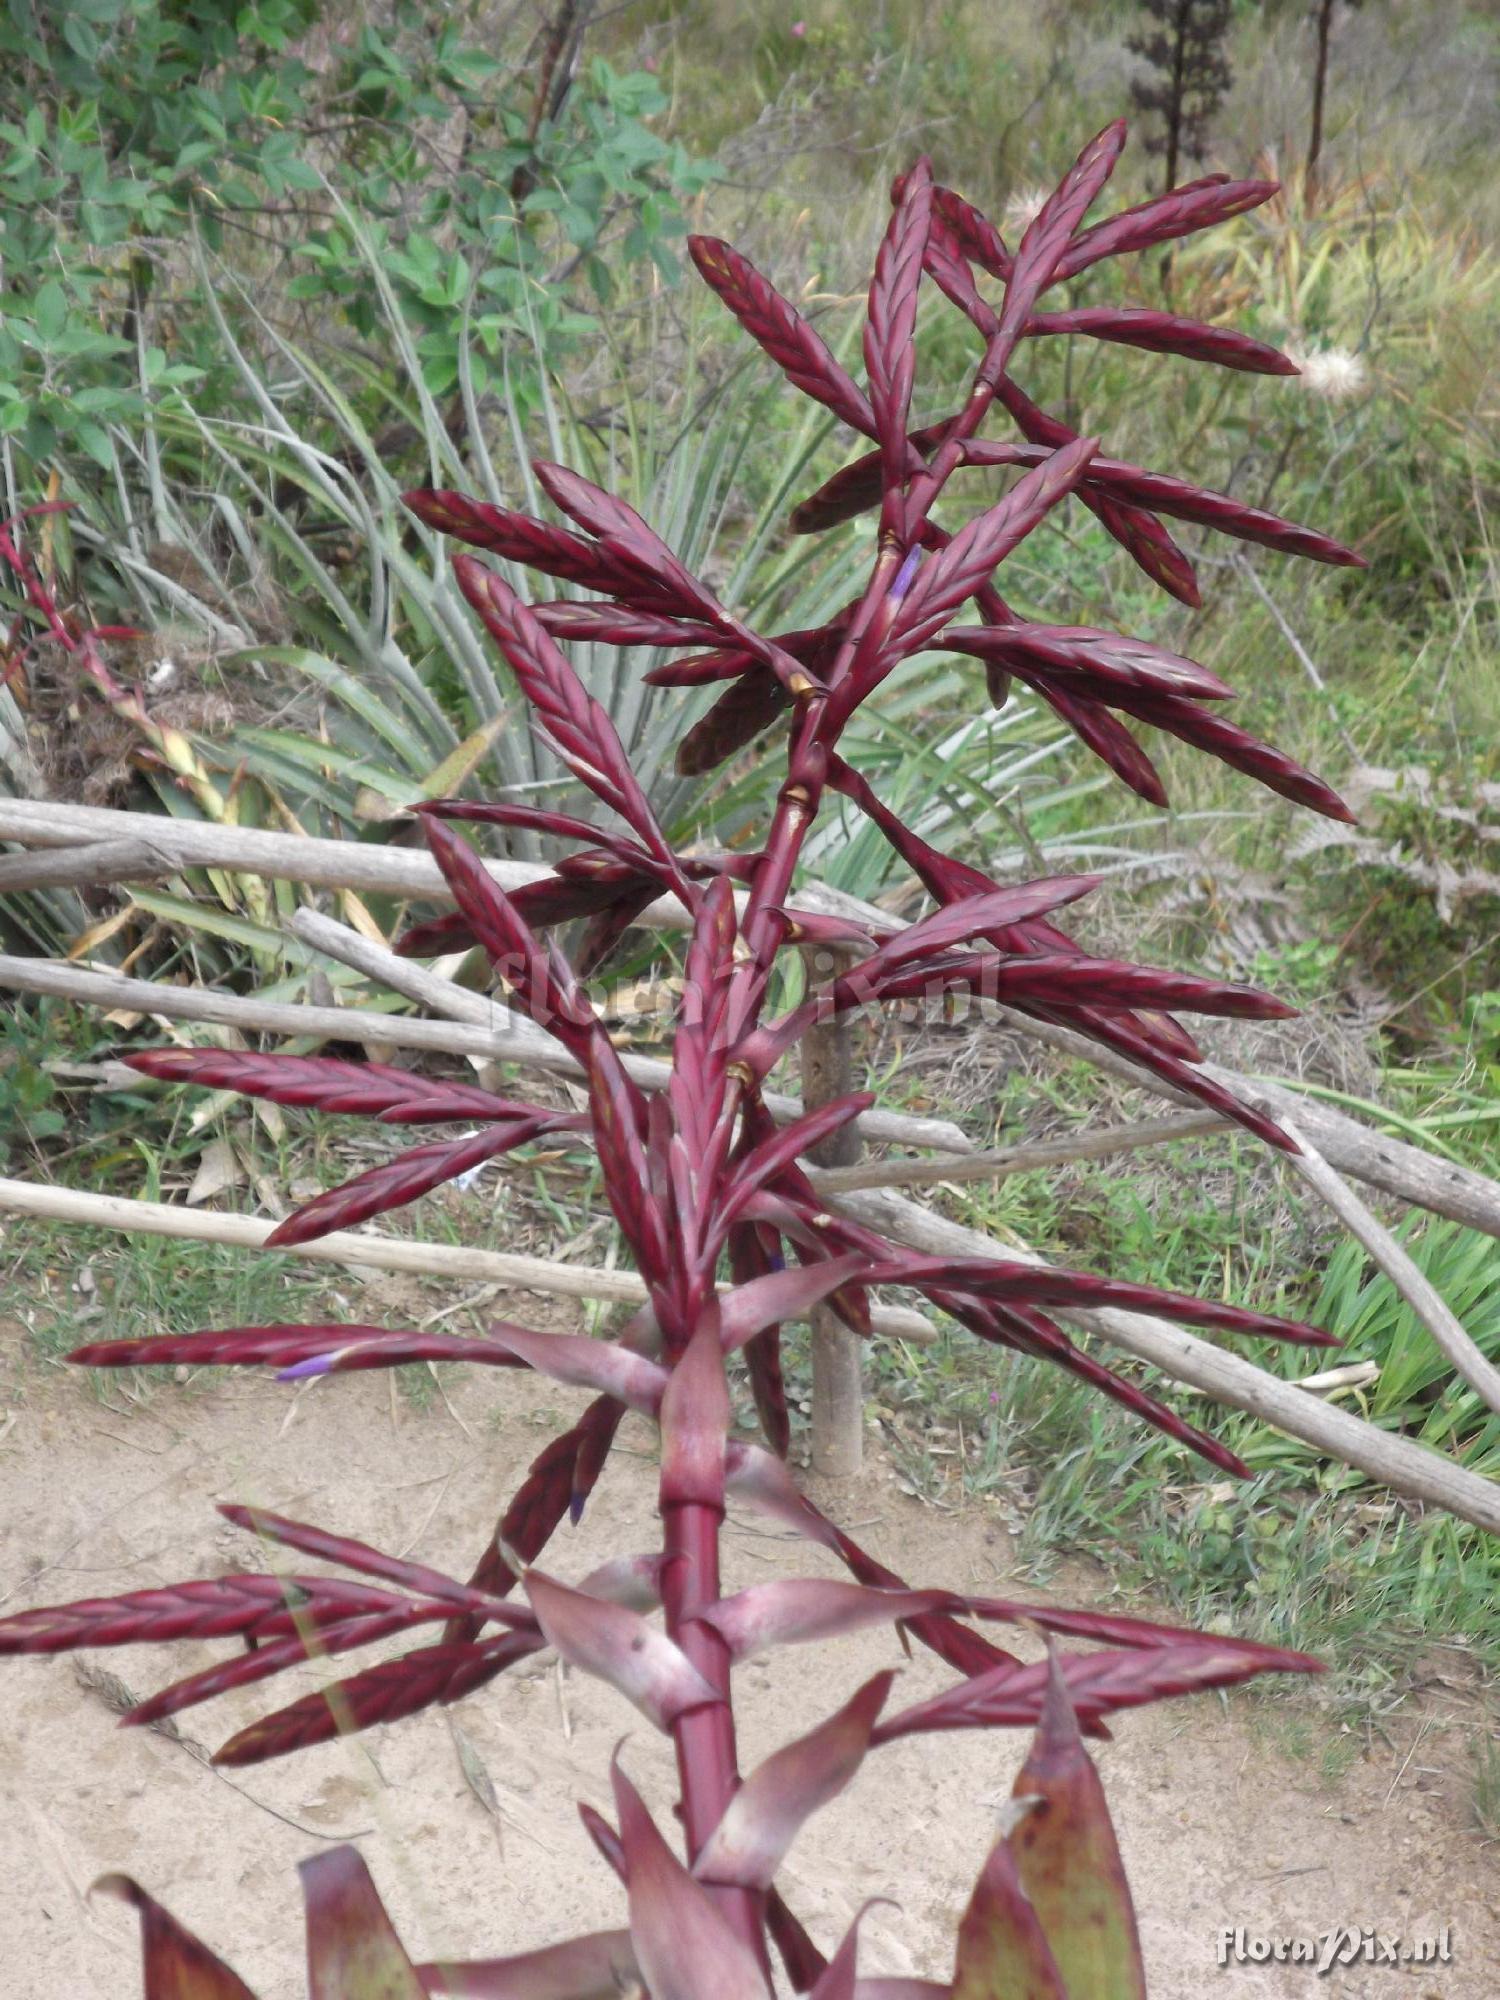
(713, 1202)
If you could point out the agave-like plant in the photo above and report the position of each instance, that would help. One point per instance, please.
(711, 1198)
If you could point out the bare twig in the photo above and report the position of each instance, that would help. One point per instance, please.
(1391, 1460)
(87, 867)
(460, 1003)
(995, 1166)
(1304, 658)
(502, 1037)
(383, 1253)
(1417, 1290)
(1408, 1172)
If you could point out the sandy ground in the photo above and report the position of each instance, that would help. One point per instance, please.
(1218, 1828)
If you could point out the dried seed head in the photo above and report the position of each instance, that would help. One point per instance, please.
(1334, 373)
(1022, 207)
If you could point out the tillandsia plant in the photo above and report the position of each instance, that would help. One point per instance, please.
(712, 1200)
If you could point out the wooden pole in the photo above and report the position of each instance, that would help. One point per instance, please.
(1408, 1172)
(330, 864)
(488, 1033)
(379, 1253)
(838, 1397)
(1097, 1144)
(1387, 1254)
(1387, 1457)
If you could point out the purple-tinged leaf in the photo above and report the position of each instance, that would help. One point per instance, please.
(356, 1555)
(384, 1693)
(1069, 1861)
(1236, 747)
(1052, 1285)
(745, 708)
(890, 358)
(628, 854)
(604, 1837)
(625, 537)
(601, 1365)
(968, 1652)
(1120, 480)
(238, 1346)
(634, 1581)
(269, 1659)
(901, 1989)
(619, 1121)
(724, 663)
(781, 1295)
(212, 1608)
(837, 1980)
(857, 487)
(760, 1479)
(397, 1183)
(683, 1944)
(1112, 1629)
(776, 1152)
(1139, 533)
(321, 1083)
(968, 917)
(518, 538)
(618, 1646)
(1031, 1333)
(436, 936)
(1102, 661)
(750, 1258)
(763, 1818)
(1098, 1684)
(1002, 1949)
(804, 1963)
(577, 725)
(975, 235)
(979, 547)
(1180, 212)
(780, 330)
(797, 1609)
(558, 1481)
(1166, 333)
(598, 1966)
(174, 1964)
(538, 976)
(614, 625)
(1107, 983)
(353, 1952)
(1046, 237)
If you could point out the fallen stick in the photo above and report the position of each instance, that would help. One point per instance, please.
(382, 1253)
(1408, 1172)
(1392, 1460)
(995, 1166)
(461, 1003)
(328, 864)
(498, 1041)
(1384, 1251)
(91, 867)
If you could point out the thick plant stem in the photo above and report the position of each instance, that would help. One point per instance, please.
(707, 1770)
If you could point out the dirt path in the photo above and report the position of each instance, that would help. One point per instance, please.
(1218, 1828)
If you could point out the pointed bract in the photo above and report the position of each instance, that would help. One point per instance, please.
(615, 1644)
(175, 1965)
(763, 1818)
(353, 1952)
(684, 1946)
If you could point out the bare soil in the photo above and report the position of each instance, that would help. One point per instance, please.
(1220, 1828)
